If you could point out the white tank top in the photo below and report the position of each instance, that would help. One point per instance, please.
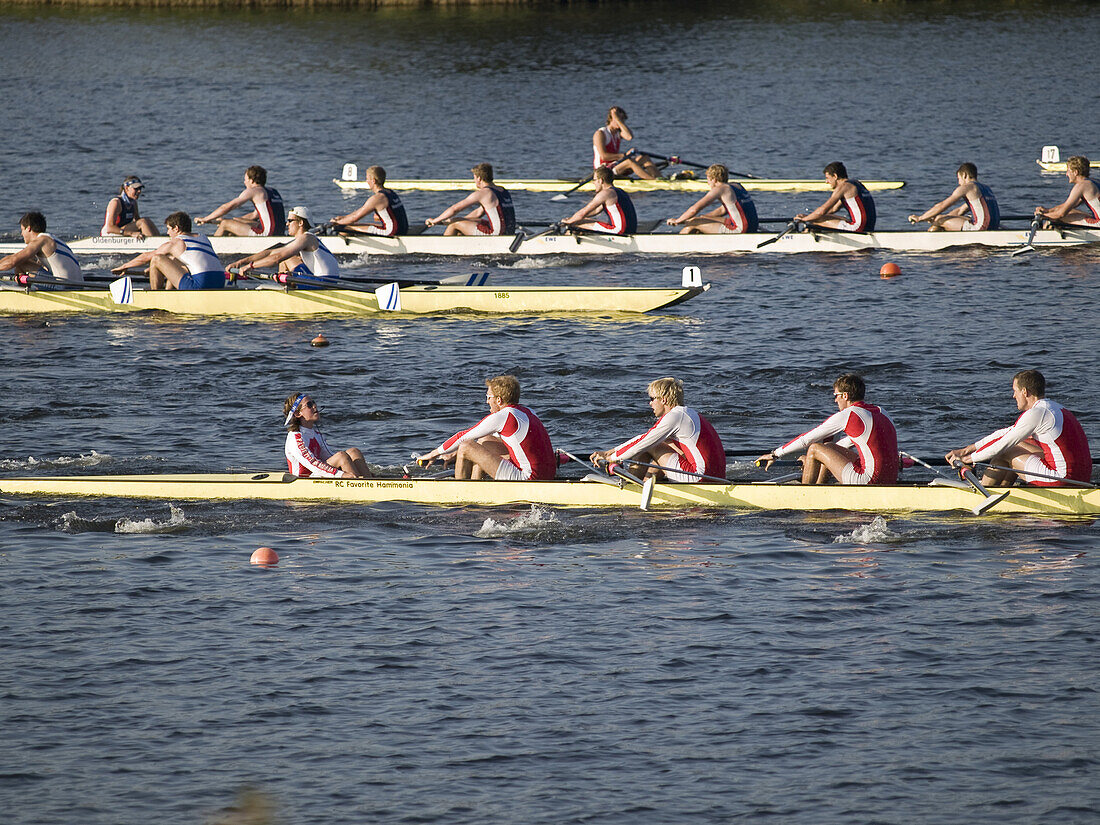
(198, 255)
(321, 263)
(63, 263)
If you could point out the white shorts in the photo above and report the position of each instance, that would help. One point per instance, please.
(1035, 464)
(507, 471)
(849, 475)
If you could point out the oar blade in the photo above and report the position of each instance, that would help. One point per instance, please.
(991, 501)
(647, 492)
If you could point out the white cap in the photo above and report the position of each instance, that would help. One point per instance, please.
(300, 212)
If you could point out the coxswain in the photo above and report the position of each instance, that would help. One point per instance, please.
(850, 208)
(1045, 444)
(389, 212)
(43, 254)
(867, 452)
(509, 444)
(682, 441)
(307, 452)
(615, 204)
(1085, 193)
(265, 219)
(492, 212)
(123, 217)
(185, 261)
(735, 213)
(306, 255)
(606, 143)
(977, 211)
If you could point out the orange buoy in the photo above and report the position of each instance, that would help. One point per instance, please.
(890, 270)
(320, 341)
(264, 556)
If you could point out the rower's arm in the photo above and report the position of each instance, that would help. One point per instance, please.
(601, 148)
(273, 257)
(372, 204)
(825, 209)
(931, 212)
(28, 253)
(173, 247)
(1057, 212)
(228, 206)
(589, 208)
(469, 200)
(695, 208)
(110, 220)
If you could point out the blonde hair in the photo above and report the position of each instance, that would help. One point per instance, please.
(718, 172)
(293, 426)
(504, 387)
(669, 390)
(483, 171)
(1078, 164)
(378, 173)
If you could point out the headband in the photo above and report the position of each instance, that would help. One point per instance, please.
(293, 409)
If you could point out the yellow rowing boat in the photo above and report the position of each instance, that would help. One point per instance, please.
(416, 300)
(592, 491)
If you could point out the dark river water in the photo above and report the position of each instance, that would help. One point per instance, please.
(529, 665)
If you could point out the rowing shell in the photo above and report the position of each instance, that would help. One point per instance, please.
(657, 243)
(627, 184)
(278, 486)
(417, 300)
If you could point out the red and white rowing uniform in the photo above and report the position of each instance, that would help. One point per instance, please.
(622, 219)
(611, 142)
(869, 431)
(860, 208)
(530, 453)
(306, 452)
(1066, 451)
(742, 217)
(692, 438)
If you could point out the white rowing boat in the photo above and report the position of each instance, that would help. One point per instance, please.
(626, 184)
(416, 300)
(592, 491)
(656, 243)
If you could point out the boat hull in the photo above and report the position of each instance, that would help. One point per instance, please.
(416, 300)
(580, 493)
(629, 185)
(657, 243)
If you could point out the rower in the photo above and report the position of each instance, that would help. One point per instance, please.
(390, 219)
(1046, 443)
(122, 216)
(509, 444)
(307, 452)
(492, 214)
(735, 213)
(977, 199)
(682, 441)
(606, 142)
(850, 208)
(305, 256)
(43, 254)
(615, 204)
(184, 261)
(868, 452)
(1085, 193)
(266, 217)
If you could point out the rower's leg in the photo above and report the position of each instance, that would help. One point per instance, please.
(1016, 457)
(165, 272)
(480, 459)
(233, 226)
(147, 227)
(823, 460)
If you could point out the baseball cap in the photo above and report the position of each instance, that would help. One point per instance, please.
(300, 212)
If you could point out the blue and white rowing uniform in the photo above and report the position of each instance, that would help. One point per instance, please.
(272, 214)
(984, 211)
(502, 219)
(204, 270)
(127, 213)
(318, 263)
(861, 210)
(621, 217)
(744, 218)
(63, 264)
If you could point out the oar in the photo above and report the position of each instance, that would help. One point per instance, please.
(971, 479)
(682, 472)
(564, 196)
(1036, 222)
(677, 160)
(27, 279)
(944, 479)
(647, 485)
(521, 236)
(791, 227)
(343, 283)
(1066, 481)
